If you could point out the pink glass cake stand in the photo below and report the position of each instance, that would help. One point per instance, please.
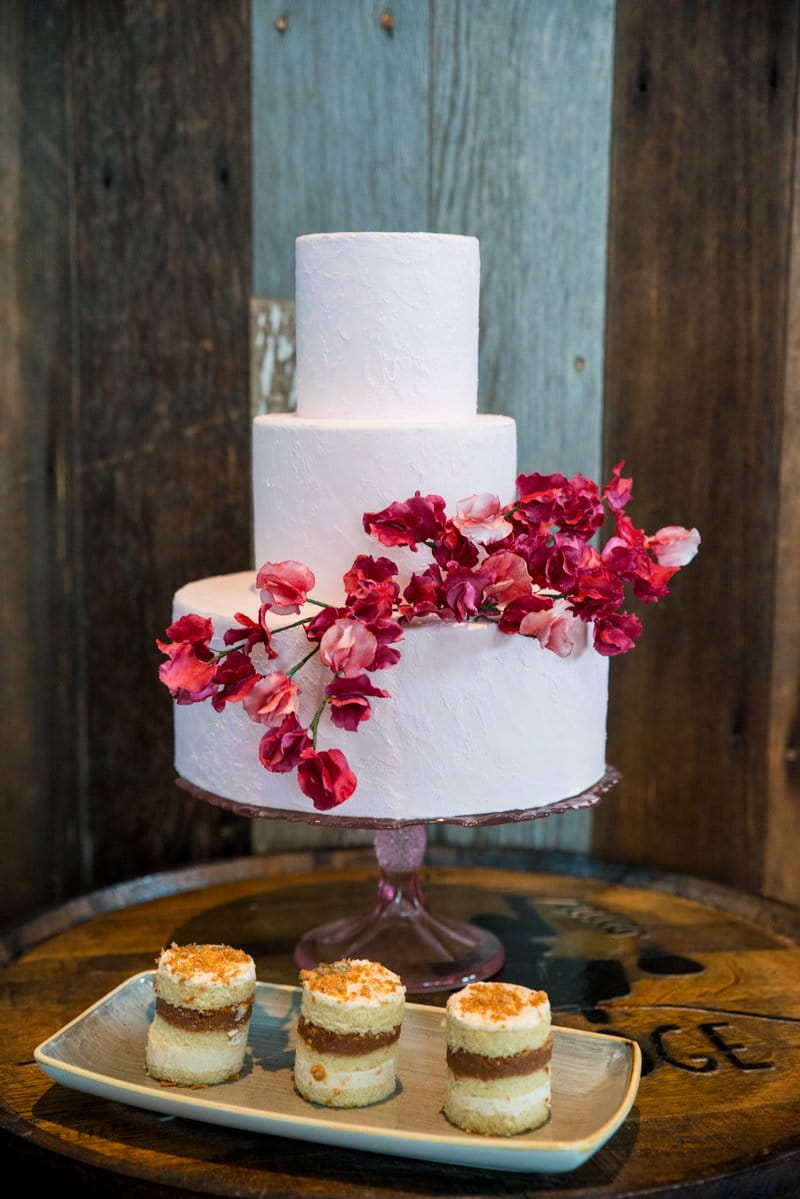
(429, 952)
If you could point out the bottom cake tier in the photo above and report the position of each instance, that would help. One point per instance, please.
(477, 721)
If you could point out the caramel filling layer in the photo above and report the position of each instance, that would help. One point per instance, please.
(221, 1019)
(324, 1040)
(477, 1065)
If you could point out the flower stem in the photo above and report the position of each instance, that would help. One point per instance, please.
(301, 663)
(318, 603)
(312, 728)
(282, 628)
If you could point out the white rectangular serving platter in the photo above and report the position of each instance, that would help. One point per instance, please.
(594, 1084)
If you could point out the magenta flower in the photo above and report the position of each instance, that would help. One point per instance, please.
(424, 594)
(453, 548)
(464, 589)
(348, 647)
(191, 629)
(618, 492)
(420, 518)
(284, 586)
(234, 678)
(616, 634)
(349, 704)
(281, 748)
(273, 698)
(515, 613)
(325, 777)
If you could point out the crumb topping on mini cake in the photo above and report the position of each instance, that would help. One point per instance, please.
(499, 1005)
(206, 964)
(353, 979)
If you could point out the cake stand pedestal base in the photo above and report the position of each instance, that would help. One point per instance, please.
(430, 953)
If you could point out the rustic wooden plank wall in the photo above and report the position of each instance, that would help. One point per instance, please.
(491, 119)
(705, 715)
(127, 309)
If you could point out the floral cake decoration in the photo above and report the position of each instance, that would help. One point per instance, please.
(528, 567)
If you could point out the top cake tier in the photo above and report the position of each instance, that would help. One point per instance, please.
(387, 326)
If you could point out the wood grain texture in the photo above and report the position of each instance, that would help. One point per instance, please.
(162, 193)
(700, 229)
(40, 754)
(703, 978)
(340, 130)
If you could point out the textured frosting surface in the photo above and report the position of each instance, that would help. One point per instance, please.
(313, 480)
(387, 325)
(477, 721)
(494, 1006)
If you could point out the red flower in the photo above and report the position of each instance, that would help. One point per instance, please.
(616, 634)
(189, 672)
(325, 777)
(252, 632)
(316, 629)
(516, 612)
(191, 629)
(284, 586)
(566, 559)
(348, 647)
(618, 492)
(453, 547)
(508, 578)
(539, 496)
(281, 749)
(367, 571)
(420, 518)
(385, 633)
(234, 678)
(424, 594)
(580, 508)
(348, 701)
(272, 699)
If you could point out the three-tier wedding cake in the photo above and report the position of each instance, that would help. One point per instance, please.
(476, 721)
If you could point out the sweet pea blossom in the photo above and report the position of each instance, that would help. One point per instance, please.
(281, 748)
(325, 777)
(556, 629)
(673, 545)
(272, 699)
(284, 586)
(188, 677)
(348, 702)
(508, 578)
(348, 647)
(481, 514)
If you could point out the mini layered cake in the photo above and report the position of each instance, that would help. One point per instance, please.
(351, 1012)
(204, 997)
(498, 1058)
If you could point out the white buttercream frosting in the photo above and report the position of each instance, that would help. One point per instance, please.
(503, 1105)
(499, 1006)
(387, 325)
(313, 480)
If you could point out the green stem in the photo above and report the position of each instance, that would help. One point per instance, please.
(293, 625)
(312, 728)
(318, 603)
(301, 663)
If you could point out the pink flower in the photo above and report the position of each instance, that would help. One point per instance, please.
(424, 594)
(385, 632)
(580, 508)
(281, 749)
(508, 578)
(348, 701)
(371, 588)
(420, 518)
(272, 699)
(555, 629)
(318, 627)
(516, 612)
(673, 545)
(453, 547)
(348, 647)
(325, 777)
(367, 570)
(234, 678)
(481, 513)
(616, 634)
(189, 672)
(284, 585)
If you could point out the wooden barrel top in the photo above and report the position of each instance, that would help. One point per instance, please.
(706, 980)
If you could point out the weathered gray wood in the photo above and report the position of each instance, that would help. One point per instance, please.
(272, 356)
(340, 125)
(520, 146)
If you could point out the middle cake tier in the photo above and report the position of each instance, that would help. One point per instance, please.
(313, 480)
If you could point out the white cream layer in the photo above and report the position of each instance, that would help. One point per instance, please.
(529, 1016)
(313, 480)
(382, 1074)
(504, 1105)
